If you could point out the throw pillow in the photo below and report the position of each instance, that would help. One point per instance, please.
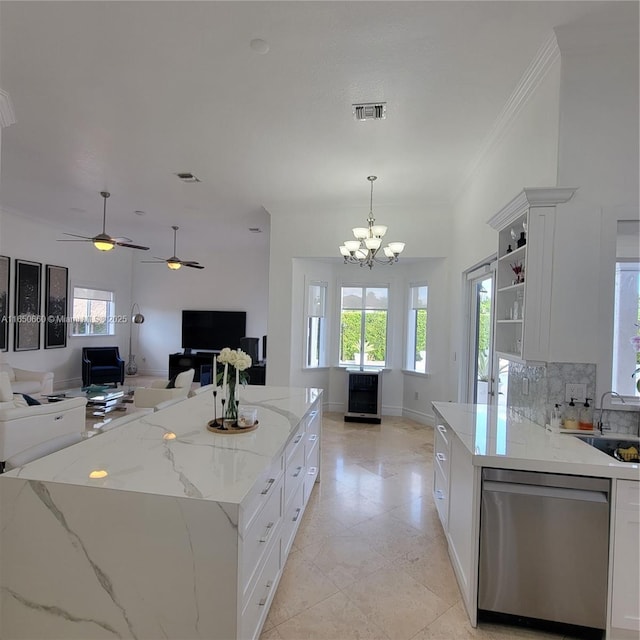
(172, 382)
(18, 401)
(31, 402)
(184, 378)
(6, 393)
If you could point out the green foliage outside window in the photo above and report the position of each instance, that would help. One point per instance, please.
(375, 335)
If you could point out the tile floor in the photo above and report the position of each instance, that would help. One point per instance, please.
(370, 558)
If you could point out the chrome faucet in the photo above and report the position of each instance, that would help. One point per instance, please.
(602, 397)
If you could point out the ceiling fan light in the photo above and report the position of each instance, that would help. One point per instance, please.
(360, 233)
(103, 245)
(173, 265)
(396, 247)
(372, 243)
(344, 251)
(352, 245)
(378, 230)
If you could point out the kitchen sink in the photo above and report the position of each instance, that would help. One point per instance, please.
(613, 447)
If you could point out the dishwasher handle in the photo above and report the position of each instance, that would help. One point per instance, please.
(545, 492)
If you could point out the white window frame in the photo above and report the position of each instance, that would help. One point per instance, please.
(77, 292)
(315, 324)
(364, 287)
(410, 345)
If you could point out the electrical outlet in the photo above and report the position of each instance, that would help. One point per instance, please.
(576, 391)
(525, 386)
(416, 396)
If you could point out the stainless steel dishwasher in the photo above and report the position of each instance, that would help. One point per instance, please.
(544, 541)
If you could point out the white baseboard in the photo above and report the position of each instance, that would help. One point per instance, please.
(419, 416)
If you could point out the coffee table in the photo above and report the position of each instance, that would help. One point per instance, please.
(100, 402)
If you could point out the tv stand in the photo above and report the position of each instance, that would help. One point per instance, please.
(179, 362)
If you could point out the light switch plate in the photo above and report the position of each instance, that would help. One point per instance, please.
(577, 391)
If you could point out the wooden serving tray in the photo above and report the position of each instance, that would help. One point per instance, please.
(214, 427)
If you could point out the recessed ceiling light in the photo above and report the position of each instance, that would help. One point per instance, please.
(259, 46)
(140, 213)
(187, 176)
(370, 111)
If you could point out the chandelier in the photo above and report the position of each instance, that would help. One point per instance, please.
(365, 248)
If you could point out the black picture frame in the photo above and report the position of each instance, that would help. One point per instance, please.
(5, 274)
(26, 336)
(55, 303)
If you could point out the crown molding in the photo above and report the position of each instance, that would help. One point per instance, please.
(7, 115)
(548, 54)
(530, 197)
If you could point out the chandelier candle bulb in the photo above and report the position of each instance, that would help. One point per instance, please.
(214, 372)
(237, 385)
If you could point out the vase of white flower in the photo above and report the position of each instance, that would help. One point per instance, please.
(234, 373)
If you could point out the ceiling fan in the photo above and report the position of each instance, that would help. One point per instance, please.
(103, 241)
(174, 262)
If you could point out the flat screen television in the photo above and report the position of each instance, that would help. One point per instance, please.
(213, 330)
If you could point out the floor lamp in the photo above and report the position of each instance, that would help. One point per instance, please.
(136, 318)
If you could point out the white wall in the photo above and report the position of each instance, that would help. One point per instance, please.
(232, 280)
(525, 157)
(25, 239)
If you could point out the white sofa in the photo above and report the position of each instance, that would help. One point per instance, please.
(148, 397)
(22, 427)
(25, 381)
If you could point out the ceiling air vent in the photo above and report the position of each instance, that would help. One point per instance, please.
(370, 111)
(188, 177)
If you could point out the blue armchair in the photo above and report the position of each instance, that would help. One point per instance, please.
(102, 365)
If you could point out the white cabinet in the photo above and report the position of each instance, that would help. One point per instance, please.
(625, 605)
(523, 297)
(456, 490)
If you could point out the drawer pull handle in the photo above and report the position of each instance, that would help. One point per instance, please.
(439, 494)
(312, 470)
(267, 531)
(58, 417)
(313, 414)
(441, 457)
(442, 429)
(270, 482)
(264, 598)
(313, 437)
(297, 473)
(295, 518)
(298, 439)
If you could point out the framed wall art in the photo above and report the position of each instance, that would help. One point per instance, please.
(5, 270)
(27, 306)
(55, 303)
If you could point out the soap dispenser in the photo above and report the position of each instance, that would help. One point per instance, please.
(571, 416)
(586, 416)
(556, 418)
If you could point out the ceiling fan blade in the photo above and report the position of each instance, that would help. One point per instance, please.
(152, 261)
(75, 235)
(65, 240)
(131, 246)
(189, 262)
(122, 239)
(193, 266)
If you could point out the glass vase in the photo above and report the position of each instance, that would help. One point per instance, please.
(231, 408)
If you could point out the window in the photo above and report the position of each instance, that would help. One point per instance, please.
(417, 329)
(363, 326)
(93, 312)
(626, 329)
(316, 325)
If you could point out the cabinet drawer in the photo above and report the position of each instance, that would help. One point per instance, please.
(311, 470)
(294, 473)
(313, 422)
(260, 597)
(441, 449)
(295, 442)
(628, 495)
(291, 520)
(441, 495)
(260, 493)
(258, 536)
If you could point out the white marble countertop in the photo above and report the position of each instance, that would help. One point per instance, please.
(497, 438)
(196, 463)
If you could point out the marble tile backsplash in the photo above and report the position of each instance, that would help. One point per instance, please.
(547, 387)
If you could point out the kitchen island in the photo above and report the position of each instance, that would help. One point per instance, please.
(159, 528)
(470, 438)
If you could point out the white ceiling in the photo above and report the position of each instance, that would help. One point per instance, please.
(122, 95)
